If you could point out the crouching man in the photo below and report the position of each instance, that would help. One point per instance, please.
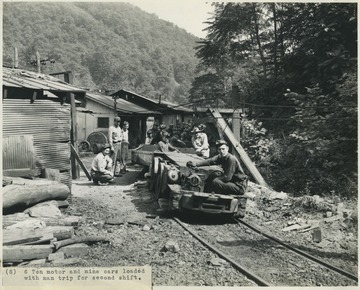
(101, 167)
(233, 180)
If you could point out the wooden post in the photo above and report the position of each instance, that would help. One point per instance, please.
(38, 65)
(236, 126)
(16, 58)
(75, 170)
(243, 155)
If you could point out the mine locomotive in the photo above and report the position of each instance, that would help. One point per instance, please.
(181, 188)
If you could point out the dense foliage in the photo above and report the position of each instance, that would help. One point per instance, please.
(295, 67)
(107, 46)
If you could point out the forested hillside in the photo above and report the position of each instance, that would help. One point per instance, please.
(106, 45)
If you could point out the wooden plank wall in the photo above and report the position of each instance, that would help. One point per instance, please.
(49, 123)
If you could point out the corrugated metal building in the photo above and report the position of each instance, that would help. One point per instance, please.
(37, 126)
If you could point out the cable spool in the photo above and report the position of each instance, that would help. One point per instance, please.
(97, 137)
(84, 146)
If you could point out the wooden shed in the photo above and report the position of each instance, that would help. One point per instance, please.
(38, 124)
(171, 113)
(97, 113)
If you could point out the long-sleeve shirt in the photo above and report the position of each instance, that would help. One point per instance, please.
(125, 136)
(233, 171)
(115, 135)
(101, 163)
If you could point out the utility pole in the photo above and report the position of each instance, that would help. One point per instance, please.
(38, 65)
(16, 58)
(115, 105)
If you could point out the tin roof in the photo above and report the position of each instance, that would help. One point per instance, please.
(121, 105)
(19, 78)
(153, 103)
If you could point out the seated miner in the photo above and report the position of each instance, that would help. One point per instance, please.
(101, 166)
(164, 144)
(200, 142)
(233, 180)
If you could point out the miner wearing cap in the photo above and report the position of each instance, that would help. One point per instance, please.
(200, 141)
(115, 138)
(157, 135)
(101, 166)
(233, 180)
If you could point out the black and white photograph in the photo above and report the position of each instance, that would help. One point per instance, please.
(180, 144)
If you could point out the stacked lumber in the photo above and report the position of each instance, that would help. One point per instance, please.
(35, 231)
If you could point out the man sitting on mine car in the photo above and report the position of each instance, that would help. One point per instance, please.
(233, 180)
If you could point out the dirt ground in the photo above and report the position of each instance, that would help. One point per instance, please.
(126, 214)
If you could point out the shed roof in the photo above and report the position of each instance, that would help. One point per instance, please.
(152, 104)
(121, 105)
(19, 78)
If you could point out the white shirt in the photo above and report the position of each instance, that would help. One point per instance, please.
(115, 135)
(125, 136)
(101, 163)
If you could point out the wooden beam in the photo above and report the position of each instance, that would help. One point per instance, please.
(243, 155)
(12, 253)
(20, 172)
(12, 219)
(33, 98)
(77, 157)
(236, 126)
(25, 235)
(75, 170)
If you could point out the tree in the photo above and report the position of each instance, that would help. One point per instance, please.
(292, 62)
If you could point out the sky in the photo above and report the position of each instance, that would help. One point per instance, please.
(186, 14)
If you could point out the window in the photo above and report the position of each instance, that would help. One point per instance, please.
(103, 122)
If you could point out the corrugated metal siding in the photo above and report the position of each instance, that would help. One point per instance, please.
(18, 152)
(49, 123)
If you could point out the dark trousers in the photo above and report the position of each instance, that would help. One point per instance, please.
(99, 176)
(221, 187)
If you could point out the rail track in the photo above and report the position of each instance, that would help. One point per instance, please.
(265, 259)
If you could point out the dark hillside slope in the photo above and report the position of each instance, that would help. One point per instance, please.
(106, 45)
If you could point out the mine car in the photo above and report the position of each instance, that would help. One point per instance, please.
(181, 188)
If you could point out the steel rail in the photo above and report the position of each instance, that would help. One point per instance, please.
(301, 253)
(246, 272)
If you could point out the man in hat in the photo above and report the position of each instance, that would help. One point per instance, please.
(200, 142)
(124, 147)
(157, 135)
(233, 180)
(101, 166)
(115, 138)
